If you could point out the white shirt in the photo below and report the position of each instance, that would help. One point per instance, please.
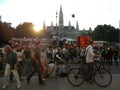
(19, 55)
(89, 54)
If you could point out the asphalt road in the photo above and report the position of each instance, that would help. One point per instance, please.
(59, 83)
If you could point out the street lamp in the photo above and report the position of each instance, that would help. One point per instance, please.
(119, 32)
(0, 30)
(56, 21)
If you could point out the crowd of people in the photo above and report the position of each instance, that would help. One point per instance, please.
(16, 60)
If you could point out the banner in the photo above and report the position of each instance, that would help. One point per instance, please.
(82, 40)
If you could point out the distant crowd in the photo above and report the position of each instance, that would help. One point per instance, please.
(68, 53)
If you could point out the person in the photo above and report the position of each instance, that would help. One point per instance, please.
(109, 56)
(27, 59)
(14, 48)
(51, 69)
(82, 54)
(58, 57)
(65, 53)
(11, 66)
(20, 62)
(62, 70)
(115, 55)
(54, 51)
(43, 64)
(1, 62)
(36, 55)
(90, 57)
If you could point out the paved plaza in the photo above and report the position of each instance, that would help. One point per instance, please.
(60, 83)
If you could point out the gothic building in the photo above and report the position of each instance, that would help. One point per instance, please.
(62, 31)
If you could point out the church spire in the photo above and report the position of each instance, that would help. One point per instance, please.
(52, 24)
(69, 25)
(77, 26)
(61, 18)
(44, 26)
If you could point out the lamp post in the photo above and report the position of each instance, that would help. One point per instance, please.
(56, 21)
(119, 32)
(0, 31)
(73, 16)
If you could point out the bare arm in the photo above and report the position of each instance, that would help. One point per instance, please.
(16, 66)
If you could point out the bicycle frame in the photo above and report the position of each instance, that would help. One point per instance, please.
(77, 75)
(96, 67)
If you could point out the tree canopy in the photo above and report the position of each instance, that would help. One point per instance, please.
(106, 33)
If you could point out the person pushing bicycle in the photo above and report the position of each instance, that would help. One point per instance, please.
(90, 70)
(90, 57)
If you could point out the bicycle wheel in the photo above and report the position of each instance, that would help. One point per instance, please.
(103, 77)
(75, 78)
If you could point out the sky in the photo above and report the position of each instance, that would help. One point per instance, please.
(88, 13)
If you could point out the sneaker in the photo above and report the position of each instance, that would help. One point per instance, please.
(18, 86)
(43, 79)
(28, 81)
(4, 86)
(42, 83)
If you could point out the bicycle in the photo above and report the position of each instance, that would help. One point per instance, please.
(100, 75)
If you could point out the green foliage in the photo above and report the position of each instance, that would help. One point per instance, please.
(6, 32)
(106, 33)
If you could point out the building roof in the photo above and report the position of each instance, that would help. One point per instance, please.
(57, 27)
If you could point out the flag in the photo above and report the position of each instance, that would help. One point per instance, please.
(82, 41)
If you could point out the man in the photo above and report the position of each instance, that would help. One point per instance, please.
(36, 53)
(1, 62)
(90, 57)
(57, 57)
(11, 66)
(89, 52)
(27, 56)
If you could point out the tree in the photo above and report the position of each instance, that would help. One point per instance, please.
(27, 30)
(24, 30)
(6, 32)
(105, 33)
